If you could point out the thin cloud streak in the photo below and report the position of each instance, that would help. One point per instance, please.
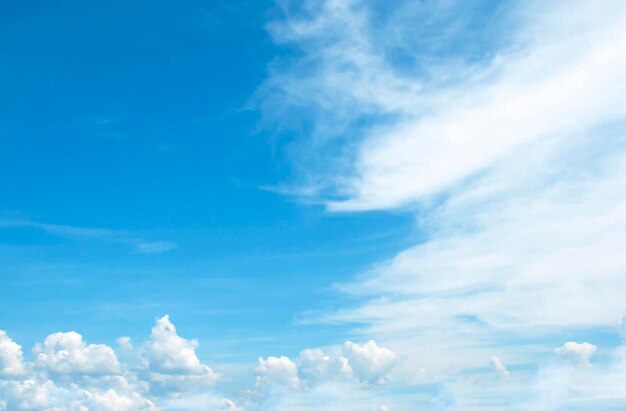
(123, 237)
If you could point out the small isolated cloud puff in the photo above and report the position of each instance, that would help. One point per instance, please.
(124, 343)
(581, 352)
(11, 359)
(497, 365)
(67, 353)
(370, 363)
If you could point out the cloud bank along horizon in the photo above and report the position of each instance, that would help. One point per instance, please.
(501, 128)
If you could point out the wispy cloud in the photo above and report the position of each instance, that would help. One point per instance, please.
(515, 164)
(123, 237)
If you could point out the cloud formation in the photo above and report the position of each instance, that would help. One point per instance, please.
(67, 353)
(11, 359)
(512, 161)
(69, 374)
(357, 366)
(582, 352)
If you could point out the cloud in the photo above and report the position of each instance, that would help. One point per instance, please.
(11, 359)
(201, 402)
(40, 394)
(511, 159)
(582, 352)
(314, 367)
(562, 74)
(111, 400)
(279, 371)
(67, 353)
(370, 362)
(367, 364)
(100, 234)
(68, 374)
(155, 247)
(124, 343)
(497, 365)
(171, 361)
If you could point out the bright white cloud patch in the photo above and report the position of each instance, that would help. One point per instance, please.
(370, 362)
(367, 363)
(11, 360)
(68, 374)
(111, 400)
(581, 352)
(169, 353)
(67, 353)
(171, 362)
(314, 367)
(277, 371)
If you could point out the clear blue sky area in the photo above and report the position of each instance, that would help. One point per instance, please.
(137, 120)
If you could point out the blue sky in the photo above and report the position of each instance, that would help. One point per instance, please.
(139, 121)
(350, 205)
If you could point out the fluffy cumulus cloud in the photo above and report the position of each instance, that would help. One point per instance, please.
(315, 366)
(370, 362)
(509, 146)
(11, 360)
(277, 371)
(581, 352)
(171, 362)
(68, 374)
(67, 353)
(358, 364)
(111, 400)
(40, 394)
(165, 373)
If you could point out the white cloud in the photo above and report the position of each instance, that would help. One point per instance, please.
(30, 394)
(169, 353)
(155, 247)
(42, 394)
(314, 366)
(102, 234)
(112, 401)
(67, 353)
(171, 360)
(11, 359)
(68, 374)
(563, 74)
(228, 405)
(124, 343)
(582, 352)
(514, 164)
(201, 402)
(370, 362)
(497, 365)
(278, 371)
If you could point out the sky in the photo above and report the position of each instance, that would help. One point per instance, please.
(279, 205)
